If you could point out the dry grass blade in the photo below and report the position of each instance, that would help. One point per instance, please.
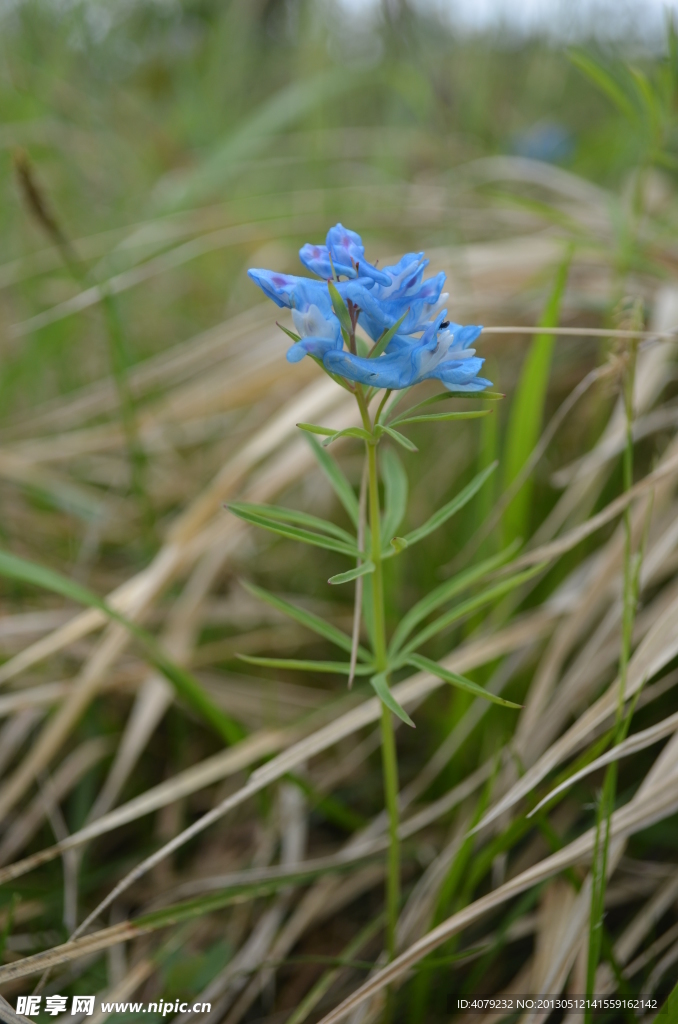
(657, 803)
(639, 741)
(657, 649)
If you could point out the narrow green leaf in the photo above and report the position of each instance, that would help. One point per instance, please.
(445, 592)
(341, 668)
(239, 892)
(461, 682)
(474, 414)
(308, 619)
(669, 1010)
(340, 484)
(444, 396)
(451, 508)
(359, 432)
(185, 684)
(527, 408)
(398, 438)
(352, 574)
(395, 493)
(386, 337)
(290, 334)
(466, 607)
(290, 515)
(295, 533)
(605, 82)
(384, 694)
(313, 428)
(340, 308)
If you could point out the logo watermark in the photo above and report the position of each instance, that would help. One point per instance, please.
(32, 1006)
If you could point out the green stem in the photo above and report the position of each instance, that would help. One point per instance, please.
(388, 747)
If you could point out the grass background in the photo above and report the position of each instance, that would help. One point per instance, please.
(149, 154)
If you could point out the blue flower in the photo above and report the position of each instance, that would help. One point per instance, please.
(343, 255)
(312, 313)
(442, 352)
(408, 294)
(422, 349)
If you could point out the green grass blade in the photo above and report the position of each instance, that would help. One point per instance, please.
(184, 683)
(341, 668)
(340, 484)
(445, 592)
(395, 493)
(466, 607)
(461, 682)
(451, 508)
(605, 82)
(383, 692)
(238, 893)
(527, 409)
(293, 532)
(352, 574)
(251, 136)
(308, 619)
(291, 515)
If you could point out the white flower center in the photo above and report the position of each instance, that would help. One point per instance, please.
(312, 324)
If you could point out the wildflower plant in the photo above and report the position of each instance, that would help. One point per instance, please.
(407, 340)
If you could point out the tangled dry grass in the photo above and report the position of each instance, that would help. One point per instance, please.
(269, 853)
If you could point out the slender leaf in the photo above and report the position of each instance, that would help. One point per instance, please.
(300, 665)
(395, 493)
(184, 683)
(381, 688)
(398, 438)
(291, 515)
(605, 82)
(444, 396)
(461, 682)
(340, 484)
(527, 408)
(359, 432)
(466, 607)
(447, 590)
(352, 574)
(387, 337)
(308, 619)
(294, 533)
(290, 334)
(238, 892)
(451, 508)
(473, 414)
(340, 308)
(313, 428)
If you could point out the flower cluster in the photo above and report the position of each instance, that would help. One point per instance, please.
(425, 343)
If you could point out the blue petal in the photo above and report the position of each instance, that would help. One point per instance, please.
(290, 291)
(384, 372)
(313, 347)
(317, 259)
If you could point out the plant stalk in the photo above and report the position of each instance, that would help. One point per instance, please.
(388, 747)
